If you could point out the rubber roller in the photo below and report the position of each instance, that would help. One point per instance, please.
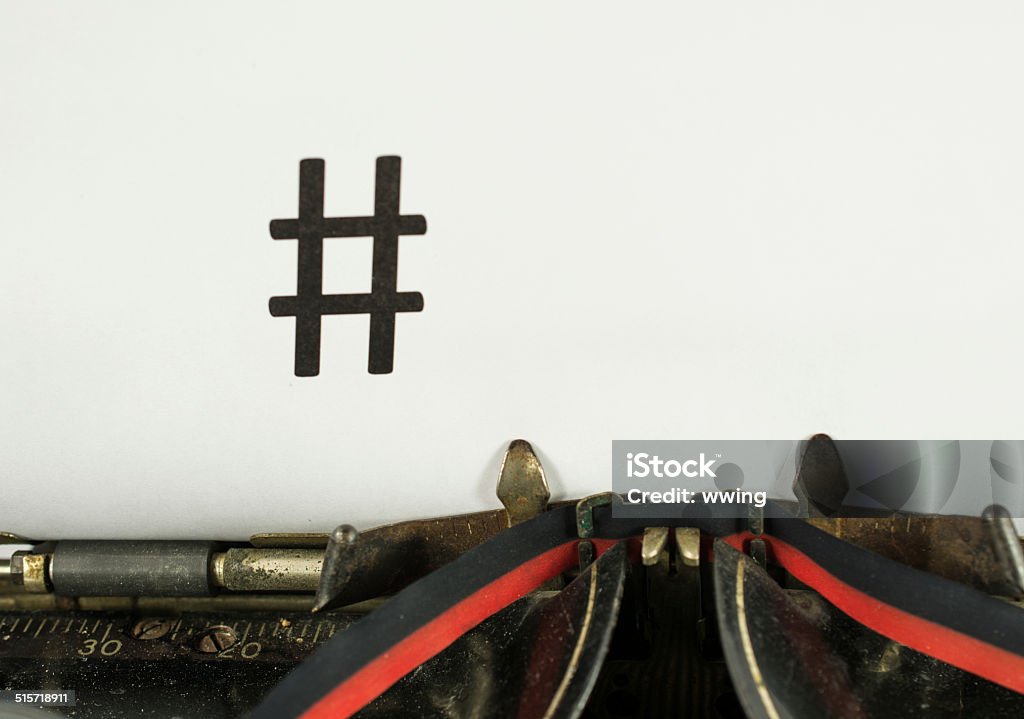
(83, 568)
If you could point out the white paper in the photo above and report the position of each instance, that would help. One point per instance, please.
(668, 220)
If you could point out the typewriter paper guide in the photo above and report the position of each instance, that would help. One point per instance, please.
(699, 223)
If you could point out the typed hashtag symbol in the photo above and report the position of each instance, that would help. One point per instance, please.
(310, 304)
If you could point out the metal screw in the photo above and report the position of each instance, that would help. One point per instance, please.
(217, 639)
(150, 628)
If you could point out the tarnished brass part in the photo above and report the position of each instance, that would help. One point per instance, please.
(957, 548)
(217, 569)
(585, 512)
(267, 570)
(30, 571)
(585, 523)
(285, 540)
(688, 545)
(654, 542)
(522, 486)
(12, 538)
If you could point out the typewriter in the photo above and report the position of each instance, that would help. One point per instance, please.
(532, 609)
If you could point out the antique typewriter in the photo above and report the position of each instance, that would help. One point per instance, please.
(535, 609)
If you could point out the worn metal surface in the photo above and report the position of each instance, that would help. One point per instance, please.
(89, 636)
(30, 571)
(984, 553)
(385, 559)
(660, 661)
(165, 672)
(791, 654)
(34, 573)
(540, 657)
(585, 523)
(957, 548)
(654, 542)
(585, 512)
(766, 638)
(522, 486)
(343, 562)
(663, 659)
(688, 546)
(258, 569)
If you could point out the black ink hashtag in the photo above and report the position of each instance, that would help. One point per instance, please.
(309, 303)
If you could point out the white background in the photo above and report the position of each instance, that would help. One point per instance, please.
(664, 220)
